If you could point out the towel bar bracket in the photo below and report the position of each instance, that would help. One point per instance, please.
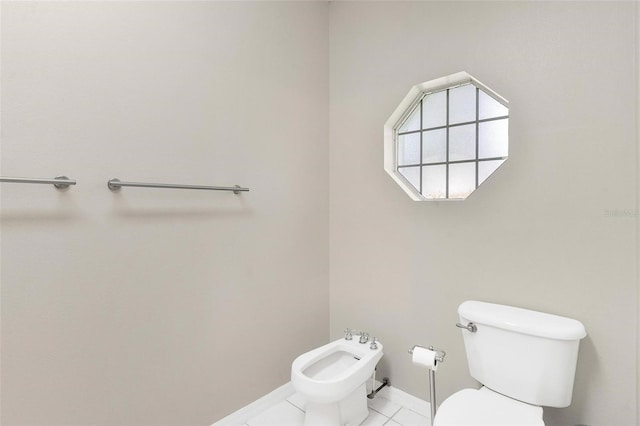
(63, 185)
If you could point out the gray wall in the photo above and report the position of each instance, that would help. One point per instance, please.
(637, 210)
(539, 233)
(147, 306)
(158, 306)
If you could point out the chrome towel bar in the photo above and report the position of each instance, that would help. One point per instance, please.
(116, 184)
(59, 182)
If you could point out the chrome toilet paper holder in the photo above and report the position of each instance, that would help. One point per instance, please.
(440, 354)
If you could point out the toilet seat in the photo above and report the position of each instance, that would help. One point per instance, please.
(486, 407)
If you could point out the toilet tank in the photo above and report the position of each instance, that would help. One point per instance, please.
(526, 355)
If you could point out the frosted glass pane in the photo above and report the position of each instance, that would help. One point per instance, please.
(462, 104)
(412, 174)
(409, 149)
(462, 142)
(489, 107)
(434, 181)
(413, 122)
(434, 110)
(434, 146)
(462, 179)
(486, 168)
(493, 138)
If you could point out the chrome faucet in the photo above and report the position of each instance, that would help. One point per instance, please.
(374, 343)
(364, 336)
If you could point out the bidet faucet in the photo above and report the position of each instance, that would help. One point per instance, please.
(364, 337)
(348, 335)
(374, 344)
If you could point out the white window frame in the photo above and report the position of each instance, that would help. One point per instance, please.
(406, 108)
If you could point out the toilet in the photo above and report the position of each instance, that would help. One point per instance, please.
(332, 379)
(524, 360)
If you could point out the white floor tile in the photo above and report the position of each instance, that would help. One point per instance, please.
(384, 406)
(421, 407)
(406, 400)
(298, 400)
(407, 417)
(282, 414)
(393, 408)
(374, 419)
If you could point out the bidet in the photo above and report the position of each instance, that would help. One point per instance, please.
(332, 379)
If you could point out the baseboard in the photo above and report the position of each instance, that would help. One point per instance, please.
(241, 416)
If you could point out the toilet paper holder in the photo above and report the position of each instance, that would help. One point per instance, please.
(440, 354)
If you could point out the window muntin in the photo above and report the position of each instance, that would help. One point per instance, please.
(452, 141)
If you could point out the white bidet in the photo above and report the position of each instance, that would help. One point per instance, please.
(333, 380)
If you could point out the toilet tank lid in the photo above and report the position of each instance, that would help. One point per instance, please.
(522, 320)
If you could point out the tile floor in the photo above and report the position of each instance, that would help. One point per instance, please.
(382, 411)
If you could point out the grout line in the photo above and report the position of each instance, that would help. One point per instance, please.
(294, 405)
(397, 411)
(382, 414)
(394, 413)
(389, 421)
(370, 410)
(415, 412)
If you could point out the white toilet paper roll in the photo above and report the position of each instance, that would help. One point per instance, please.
(424, 357)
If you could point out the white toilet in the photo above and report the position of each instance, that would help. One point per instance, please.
(524, 360)
(332, 378)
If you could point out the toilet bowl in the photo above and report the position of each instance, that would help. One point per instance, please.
(487, 408)
(332, 378)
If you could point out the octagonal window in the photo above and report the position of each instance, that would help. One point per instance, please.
(446, 138)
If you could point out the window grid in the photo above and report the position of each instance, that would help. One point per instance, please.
(464, 123)
(446, 182)
(421, 133)
(477, 132)
(447, 126)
